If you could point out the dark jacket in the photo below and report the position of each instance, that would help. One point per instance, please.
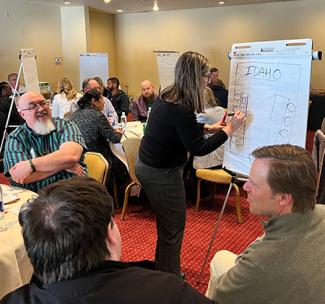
(221, 94)
(111, 282)
(15, 118)
(120, 102)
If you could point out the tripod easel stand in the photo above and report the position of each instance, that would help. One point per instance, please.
(28, 66)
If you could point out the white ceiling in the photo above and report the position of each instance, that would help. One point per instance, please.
(136, 6)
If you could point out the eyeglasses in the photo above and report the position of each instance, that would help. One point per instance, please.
(33, 106)
(207, 75)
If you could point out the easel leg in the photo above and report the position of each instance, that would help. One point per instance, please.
(214, 234)
(10, 109)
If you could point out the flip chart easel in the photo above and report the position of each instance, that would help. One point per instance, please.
(269, 82)
(27, 59)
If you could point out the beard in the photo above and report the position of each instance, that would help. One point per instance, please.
(43, 127)
(149, 99)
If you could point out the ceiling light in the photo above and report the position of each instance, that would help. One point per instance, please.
(119, 11)
(67, 2)
(155, 7)
(107, 1)
(221, 2)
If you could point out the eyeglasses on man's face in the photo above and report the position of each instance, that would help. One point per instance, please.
(33, 106)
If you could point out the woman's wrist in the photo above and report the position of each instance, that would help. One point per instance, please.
(228, 130)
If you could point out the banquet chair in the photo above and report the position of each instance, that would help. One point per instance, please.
(98, 168)
(218, 176)
(131, 148)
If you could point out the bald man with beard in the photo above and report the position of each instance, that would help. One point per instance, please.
(141, 104)
(44, 149)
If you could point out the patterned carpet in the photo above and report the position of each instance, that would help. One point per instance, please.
(139, 234)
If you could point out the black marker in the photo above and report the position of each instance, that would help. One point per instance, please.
(230, 113)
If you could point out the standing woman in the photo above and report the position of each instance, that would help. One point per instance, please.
(171, 132)
(66, 95)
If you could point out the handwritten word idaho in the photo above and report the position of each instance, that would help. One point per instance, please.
(263, 72)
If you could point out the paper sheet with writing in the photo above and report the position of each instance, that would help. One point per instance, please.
(28, 59)
(166, 62)
(269, 81)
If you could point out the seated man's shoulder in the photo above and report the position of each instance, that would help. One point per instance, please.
(19, 132)
(29, 293)
(175, 290)
(61, 124)
(136, 100)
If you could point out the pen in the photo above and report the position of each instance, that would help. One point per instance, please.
(223, 121)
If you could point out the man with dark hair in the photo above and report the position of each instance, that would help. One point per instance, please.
(218, 87)
(118, 98)
(214, 78)
(286, 264)
(74, 246)
(44, 149)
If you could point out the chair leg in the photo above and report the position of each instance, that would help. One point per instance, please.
(198, 194)
(126, 199)
(115, 195)
(213, 191)
(238, 204)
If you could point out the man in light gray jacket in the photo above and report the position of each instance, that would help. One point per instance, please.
(285, 265)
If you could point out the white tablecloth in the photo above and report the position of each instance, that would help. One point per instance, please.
(15, 267)
(133, 129)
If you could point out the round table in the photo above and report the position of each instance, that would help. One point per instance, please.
(15, 267)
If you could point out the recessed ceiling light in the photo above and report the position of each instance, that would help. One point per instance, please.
(119, 11)
(221, 2)
(67, 2)
(155, 7)
(107, 1)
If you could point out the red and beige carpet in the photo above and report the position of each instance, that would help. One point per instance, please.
(138, 233)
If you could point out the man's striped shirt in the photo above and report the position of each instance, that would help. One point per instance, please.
(24, 144)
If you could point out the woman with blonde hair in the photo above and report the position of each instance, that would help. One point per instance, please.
(66, 95)
(171, 132)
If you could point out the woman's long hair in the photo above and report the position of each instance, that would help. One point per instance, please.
(65, 86)
(86, 100)
(187, 88)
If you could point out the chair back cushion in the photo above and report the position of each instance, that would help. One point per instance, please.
(131, 148)
(97, 166)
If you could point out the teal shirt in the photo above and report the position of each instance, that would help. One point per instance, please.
(24, 144)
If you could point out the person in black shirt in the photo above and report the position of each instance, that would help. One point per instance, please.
(218, 88)
(118, 98)
(171, 131)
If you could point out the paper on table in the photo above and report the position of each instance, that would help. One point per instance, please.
(10, 198)
(11, 190)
